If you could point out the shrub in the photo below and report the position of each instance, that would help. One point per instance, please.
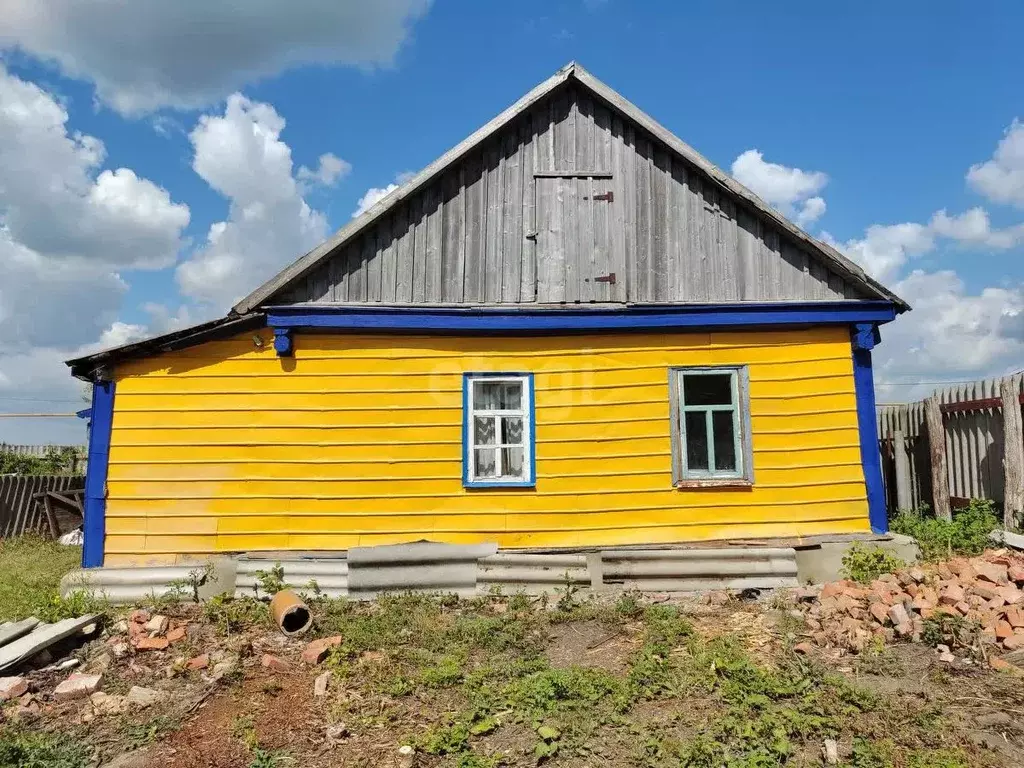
(864, 564)
(967, 533)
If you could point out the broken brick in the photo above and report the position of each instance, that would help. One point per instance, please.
(177, 634)
(1015, 573)
(991, 572)
(12, 687)
(1014, 641)
(898, 615)
(1015, 617)
(880, 612)
(140, 616)
(1003, 630)
(952, 594)
(151, 643)
(274, 663)
(199, 662)
(77, 686)
(984, 590)
(317, 650)
(803, 648)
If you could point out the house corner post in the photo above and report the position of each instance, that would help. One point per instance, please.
(95, 525)
(864, 337)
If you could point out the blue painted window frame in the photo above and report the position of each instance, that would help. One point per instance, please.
(529, 423)
(742, 439)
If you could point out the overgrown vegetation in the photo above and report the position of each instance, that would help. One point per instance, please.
(30, 572)
(22, 748)
(484, 663)
(56, 461)
(864, 563)
(967, 533)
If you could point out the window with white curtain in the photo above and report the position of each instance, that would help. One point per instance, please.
(498, 429)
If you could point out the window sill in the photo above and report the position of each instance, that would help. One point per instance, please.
(735, 483)
(500, 484)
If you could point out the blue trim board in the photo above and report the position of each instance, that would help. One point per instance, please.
(95, 525)
(864, 338)
(577, 319)
(531, 482)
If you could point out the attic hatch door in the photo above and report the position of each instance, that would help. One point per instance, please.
(575, 235)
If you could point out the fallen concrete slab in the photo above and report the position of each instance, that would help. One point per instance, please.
(41, 638)
(12, 630)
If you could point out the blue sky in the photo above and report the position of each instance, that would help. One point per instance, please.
(878, 109)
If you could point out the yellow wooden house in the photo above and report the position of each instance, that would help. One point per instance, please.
(571, 330)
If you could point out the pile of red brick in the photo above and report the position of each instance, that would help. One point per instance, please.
(985, 589)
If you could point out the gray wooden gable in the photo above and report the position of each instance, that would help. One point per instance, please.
(569, 198)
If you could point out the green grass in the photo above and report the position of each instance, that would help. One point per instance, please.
(20, 748)
(30, 573)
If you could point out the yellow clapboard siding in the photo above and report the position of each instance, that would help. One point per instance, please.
(358, 441)
(654, 467)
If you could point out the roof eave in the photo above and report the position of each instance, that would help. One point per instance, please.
(93, 367)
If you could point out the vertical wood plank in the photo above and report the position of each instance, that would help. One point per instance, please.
(453, 237)
(512, 216)
(904, 497)
(587, 247)
(494, 164)
(1013, 453)
(433, 276)
(629, 209)
(571, 246)
(403, 230)
(586, 156)
(528, 248)
(550, 240)
(617, 212)
(357, 274)
(476, 198)
(728, 247)
(339, 275)
(419, 248)
(373, 266)
(388, 259)
(661, 223)
(939, 471)
(642, 245)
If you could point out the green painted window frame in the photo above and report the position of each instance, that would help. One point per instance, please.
(682, 475)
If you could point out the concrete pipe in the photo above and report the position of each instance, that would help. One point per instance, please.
(290, 614)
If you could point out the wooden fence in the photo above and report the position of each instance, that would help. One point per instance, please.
(40, 451)
(22, 512)
(970, 449)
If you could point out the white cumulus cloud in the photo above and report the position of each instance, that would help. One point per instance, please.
(240, 154)
(372, 196)
(329, 171)
(972, 227)
(1001, 179)
(147, 54)
(792, 191)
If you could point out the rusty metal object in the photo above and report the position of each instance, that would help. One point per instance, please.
(291, 615)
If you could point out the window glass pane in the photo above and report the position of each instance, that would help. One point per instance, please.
(512, 462)
(696, 441)
(723, 428)
(497, 395)
(511, 430)
(484, 463)
(707, 389)
(483, 430)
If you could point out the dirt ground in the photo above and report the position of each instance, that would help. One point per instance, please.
(515, 682)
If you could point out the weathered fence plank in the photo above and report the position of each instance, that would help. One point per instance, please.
(21, 513)
(940, 473)
(1013, 454)
(973, 436)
